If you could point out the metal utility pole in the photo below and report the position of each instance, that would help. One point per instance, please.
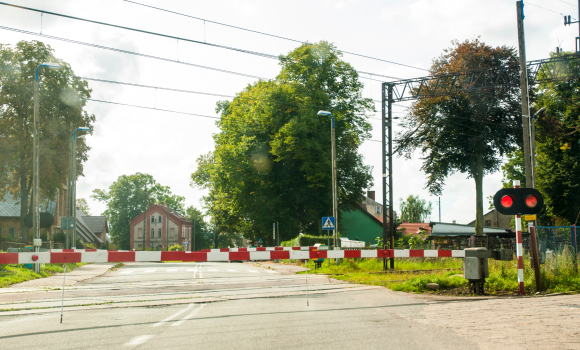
(278, 232)
(524, 93)
(74, 192)
(334, 184)
(35, 205)
(193, 245)
(439, 209)
(145, 218)
(387, 140)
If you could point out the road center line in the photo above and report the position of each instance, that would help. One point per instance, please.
(139, 340)
(178, 323)
(148, 271)
(173, 316)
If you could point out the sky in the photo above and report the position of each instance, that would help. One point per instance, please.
(127, 140)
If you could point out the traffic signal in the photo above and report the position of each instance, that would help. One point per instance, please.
(518, 201)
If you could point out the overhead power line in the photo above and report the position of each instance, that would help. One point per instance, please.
(255, 53)
(268, 34)
(543, 8)
(166, 110)
(130, 52)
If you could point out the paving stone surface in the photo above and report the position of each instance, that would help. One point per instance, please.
(77, 275)
(542, 322)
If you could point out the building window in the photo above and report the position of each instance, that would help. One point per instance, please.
(152, 233)
(140, 233)
(159, 232)
(1, 231)
(152, 218)
(378, 209)
(160, 219)
(172, 233)
(487, 222)
(12, 232)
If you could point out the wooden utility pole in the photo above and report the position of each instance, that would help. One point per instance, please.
(525, 94)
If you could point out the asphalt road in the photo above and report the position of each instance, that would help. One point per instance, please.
(218, 306)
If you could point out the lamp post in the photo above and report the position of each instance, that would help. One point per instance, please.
(74, 182)
(334, 186)
(35, 145)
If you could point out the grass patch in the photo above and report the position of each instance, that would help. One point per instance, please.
(559, 274)
(11, 274)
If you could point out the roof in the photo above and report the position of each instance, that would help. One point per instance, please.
(445, 229)
(84, 229)
(9, 207)
(415, 227)
(162, 208)
(364, 210)
(97, 224)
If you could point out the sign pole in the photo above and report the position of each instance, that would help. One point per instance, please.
(519, 249)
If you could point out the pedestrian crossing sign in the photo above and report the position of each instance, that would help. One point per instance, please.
(260, 241)
(328, 222)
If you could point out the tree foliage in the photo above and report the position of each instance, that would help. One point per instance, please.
(202, 230)
(414, 209)
(467, 132)
(83, 205)
(272, 157)
(130, 196)
(62, 98)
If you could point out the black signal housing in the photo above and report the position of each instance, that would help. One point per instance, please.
(526, 201)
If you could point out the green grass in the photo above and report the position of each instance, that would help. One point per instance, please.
(558, 275)
(11, 274)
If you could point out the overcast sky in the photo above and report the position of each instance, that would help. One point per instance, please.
(166, 145)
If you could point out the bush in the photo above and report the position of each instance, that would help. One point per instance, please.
(175, 247)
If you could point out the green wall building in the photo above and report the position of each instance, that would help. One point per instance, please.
(360, 225)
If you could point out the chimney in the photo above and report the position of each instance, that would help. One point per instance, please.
(371, 194)
(164, 204)
(454, 222)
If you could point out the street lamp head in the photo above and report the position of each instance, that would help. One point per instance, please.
(50, 65)
(326, 113)
(75, 132)
(540, 111)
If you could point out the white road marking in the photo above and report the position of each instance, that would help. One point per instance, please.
(232, 270)
(200, 274)
(139, 340)
(213, 270)
(127, 271)
(178, 323)
(148, 271)
(270, 271)
(189, 270)
(171, 270)
(173, 316)
(253, 271)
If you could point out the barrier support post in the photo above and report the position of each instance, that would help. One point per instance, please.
(535, 257)
(519, 249)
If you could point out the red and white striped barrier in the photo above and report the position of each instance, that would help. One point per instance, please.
(95, 256)
(519, 248)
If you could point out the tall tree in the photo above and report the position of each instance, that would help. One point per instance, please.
(62, 98)
(467, 132)
(128, 197)
(83, 205)
(414, 209)
(202, 230)
(558, 148)
(272, 157)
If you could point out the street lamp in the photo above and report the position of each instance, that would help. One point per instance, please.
(73, 181)
(35, 145)
(334, 186)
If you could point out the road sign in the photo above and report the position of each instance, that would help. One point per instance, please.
(328, 223)
(530, 217)
(518, 201)
(66, 223)
(260, 241)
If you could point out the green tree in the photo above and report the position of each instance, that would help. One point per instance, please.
(558, 148)
(130, 196)
(62, 98)
(467, 132)
(83, 205)
(203, 232)
(414, 209)
(272, 157)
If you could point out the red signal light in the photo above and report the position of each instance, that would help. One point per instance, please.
(531, 201)
(507, 201)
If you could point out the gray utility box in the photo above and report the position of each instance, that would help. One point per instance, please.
(475, 268)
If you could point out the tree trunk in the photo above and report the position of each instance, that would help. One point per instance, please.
(478, 176)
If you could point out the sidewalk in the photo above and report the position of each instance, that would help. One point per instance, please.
(77, 275)
(542, 322)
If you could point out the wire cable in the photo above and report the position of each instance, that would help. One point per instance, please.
(267, 34)
(130, 52)
(543, 8)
